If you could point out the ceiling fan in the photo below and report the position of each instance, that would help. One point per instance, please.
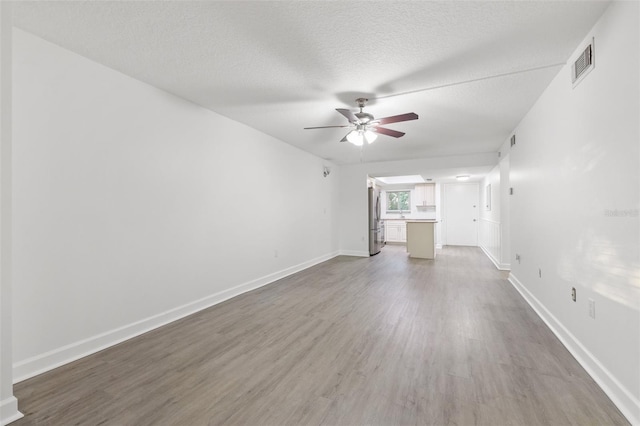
(365, 126)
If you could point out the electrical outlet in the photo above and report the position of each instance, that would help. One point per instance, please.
(592, 308)
(573, 294)
(518, 257)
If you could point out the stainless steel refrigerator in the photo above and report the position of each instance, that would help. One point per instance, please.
(376, 228)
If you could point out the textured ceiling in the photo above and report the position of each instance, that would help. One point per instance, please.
(279, 66)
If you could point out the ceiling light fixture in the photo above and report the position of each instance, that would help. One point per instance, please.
(370, 136)
(463, 177)
(355, 137)
(360, 135)
(366, 127)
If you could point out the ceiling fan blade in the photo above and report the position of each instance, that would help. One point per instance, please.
(388, 132)
(345, 138)
(398, 118)
(323, 127)
(348, 114)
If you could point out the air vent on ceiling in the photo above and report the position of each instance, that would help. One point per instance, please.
(582, 65)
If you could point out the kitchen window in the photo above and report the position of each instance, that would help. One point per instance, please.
(398, 201)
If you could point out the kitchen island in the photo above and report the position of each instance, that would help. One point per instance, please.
(421, 238)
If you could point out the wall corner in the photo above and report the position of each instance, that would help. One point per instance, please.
(8, 403)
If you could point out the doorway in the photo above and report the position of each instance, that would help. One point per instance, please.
(460, 215)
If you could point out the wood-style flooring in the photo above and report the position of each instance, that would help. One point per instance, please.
(386, 340)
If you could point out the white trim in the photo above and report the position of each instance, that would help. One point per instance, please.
(500, 266)
(9, 411)
(439, 246)
(485, 237)
(47, 361)
(626, 402)
(357, 253)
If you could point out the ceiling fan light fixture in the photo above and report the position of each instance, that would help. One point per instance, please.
(370, 136)
(359, 136)
(356, 137)
(365, 126)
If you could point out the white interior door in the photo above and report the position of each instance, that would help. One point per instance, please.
(461, 214)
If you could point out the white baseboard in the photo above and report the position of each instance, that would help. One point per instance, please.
(357, 253)
(39, 364)
(626, 402)
(438, 246)
(500, 266)
(9, 411)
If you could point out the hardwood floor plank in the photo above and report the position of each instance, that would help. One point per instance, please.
(387, 340)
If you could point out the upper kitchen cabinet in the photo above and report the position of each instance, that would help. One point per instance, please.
(425, 195)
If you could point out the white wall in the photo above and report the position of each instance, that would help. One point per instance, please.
(494, 223)
(353, 192)
(505, 212)
(8, 403)
(575, 170)
(492, 178)
(353, 220)
(133, 207)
